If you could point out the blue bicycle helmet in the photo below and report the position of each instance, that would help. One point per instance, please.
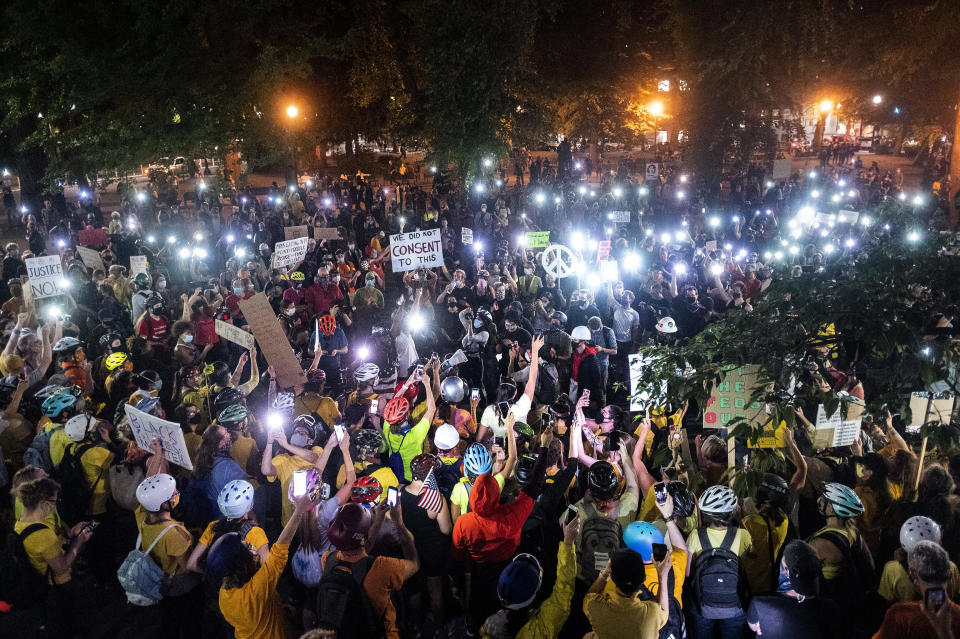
(520, 582)
(640, 537)
(54, 405)
(477, 460)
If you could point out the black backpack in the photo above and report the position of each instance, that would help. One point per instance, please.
(342, 603)
(716, 577)
(545, 393)
(73, 503)
(855, 589)
(676, 626)
(21, 585)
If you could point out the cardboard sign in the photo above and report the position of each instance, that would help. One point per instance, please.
(290, 252)
(466, 235)
(138, 264)
(538, 239)
(417, 249)
(930, 407)
(273, 341)
(640, 398)
(834, 431)
(770, 437)
(823, 218)
(293, 232)
(603, 251)
(730, 398)
(781, 169)
(234, 334)
(326, 233)
(652, 171)
(93, 238)
(91, 258)
(621, 217)
(147, 427)
(848, 217)
(46, 276)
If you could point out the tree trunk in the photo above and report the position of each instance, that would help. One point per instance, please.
(818, 132)
(954, 175)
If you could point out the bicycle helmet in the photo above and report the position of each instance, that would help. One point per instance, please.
(141, 281)
(525, 466)
(446, 437)
(154, 300)
(484, 312)
(916, 529)
(520, 582)
(297, 276)
(235, 499)
(773, 488)
(147, 404)
(367, 490)
(108, 338)
(366, 373)
(307, 423)
(846, 504)
(477, 460)
(640, 537)
(232, 415)
(115, 360)
(559, 315)
(349, 526)
(65, 344)
(48, 390)
(367, 441)
(283, 401)
(54, 405)
(684, 503)
(328, 325)
(227, 397)
(396, 410)
(156, 490)
(453, 390)
(718, 500)
(313, 484)
(422, 464)
(603, 481)
(78, 426)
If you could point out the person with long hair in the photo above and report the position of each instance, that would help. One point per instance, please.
(874, 492)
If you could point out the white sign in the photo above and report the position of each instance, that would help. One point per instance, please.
(138, 264)
(781, 169)
(418, 249)
(147, 428)
(234, 334)
(653, 171)
(559, 261)
(640, 397)
(466, 235)
(91, 258)
(46, 276)
(621, 217)
(710, 245)
(845, 432)
(926, 408)
(290, 252)
(848, 217)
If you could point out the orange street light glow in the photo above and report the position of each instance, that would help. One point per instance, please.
(292, 111)
(825, 106)
(656, 108)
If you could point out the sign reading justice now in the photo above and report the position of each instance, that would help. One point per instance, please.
(418, 249)
(46, 276)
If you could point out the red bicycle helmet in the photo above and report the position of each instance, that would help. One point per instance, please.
(328, 325)
(396, 409)
(367, 490)
(349, 526)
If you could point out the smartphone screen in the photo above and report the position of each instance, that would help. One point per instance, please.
(660, 492)
(338, 429)
(659, 552)
(373, 407)
(392, 496)
(571, 513)
(501, 442)
(934, 598)
(503, 408)
(299, 483)
(474, 394)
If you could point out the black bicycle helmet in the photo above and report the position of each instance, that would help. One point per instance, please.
(684, 503)
(227, 397)
(366, 441)
(525, 467)
(603, 481)
(773, 488)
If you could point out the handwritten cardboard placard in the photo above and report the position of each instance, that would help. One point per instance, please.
(93, 238)
(147, 427)
(91, 258)
(835, 431)
(417, 249)
(621, 217)
(926, 408)
(326, 233)
(273, 341)
(603, 251)
(138, 264)
(466, 235)
(730, 398)
(290, 252)
(46, 276)
(642, 397)
(770, 437)
(538, 239)
(293, 232)
(234, 334)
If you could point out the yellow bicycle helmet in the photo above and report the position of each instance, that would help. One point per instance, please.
(296, 276)
(115, 360)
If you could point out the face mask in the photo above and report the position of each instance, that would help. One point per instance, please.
(195, 418)
(290, 312)
(351, 246)
(528, 271)
(187, 339)
(237, 291)
(340, 259)
(299, 440)
(157, 385)
(783, 583)
(324, 280)
(156, 310)
(336, 279)
(458, 283)
(161, 284)
(625, 302)
(477, 323)
(583, 303)
(501, 295)
(371, 282)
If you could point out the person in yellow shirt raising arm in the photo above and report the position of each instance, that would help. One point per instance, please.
(297, 454)
(622, 613)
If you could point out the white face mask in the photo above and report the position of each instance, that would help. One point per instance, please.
(298, 439)
(290, 312)
(187, 339)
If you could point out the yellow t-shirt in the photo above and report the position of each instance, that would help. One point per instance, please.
(193, 442)
(59, 441)
(651, 579)
(242, 449)
(461, 497)
(174, 543)
(255, 610)
(322, 405)
(383, 475)
(96, 462)
(615, 616)
(742, 542)
(52, 520)
(757, 563)
(409, 445)
(255, 537)
(286, 465)
(41, 547)
(897, 587)
(832, 570)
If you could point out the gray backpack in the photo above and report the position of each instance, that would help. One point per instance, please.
(38, 454)
(140, 576)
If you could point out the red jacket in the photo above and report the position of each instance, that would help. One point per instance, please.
(490, 532)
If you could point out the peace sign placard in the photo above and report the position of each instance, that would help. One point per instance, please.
(559, 261)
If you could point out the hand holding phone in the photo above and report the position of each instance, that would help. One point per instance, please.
(338, 429)
(934, 598)
(392, 496)
(299, 483)
(474, 394)
(570, 514)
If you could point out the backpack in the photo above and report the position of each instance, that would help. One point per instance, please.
(395, 461)
(73, 502)
(716, 577)
(21, 585)
(545, 393)
(342, 603)
(600, 538)
(214, 576)
(38, 454)
(676, 626)
(124, 480)
(448, 476)
(140, 576)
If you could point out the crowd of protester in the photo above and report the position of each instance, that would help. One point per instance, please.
(460, 457)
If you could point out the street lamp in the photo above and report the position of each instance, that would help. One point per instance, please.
(826, 106)
(292, 111)
(877, 99)
(656, 108)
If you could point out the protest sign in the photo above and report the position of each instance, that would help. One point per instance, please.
(147, 427)
(621, 217)
(290, 252)
(234, 334)
(928, 408)
(835, 431)
(823, 218)
(770, 437)
(91, 258)
(652, 171)
(273, 341)
(847, 217)
(710, 245)
(293, 232)
(138, 264)
(417, 249)
(93, 238)
(326, 233)
(603, 251)
(730, 398)
(781, 169)
(46, 276)
(641, 397)
(466, 235)
(538, 239)
(28, 306)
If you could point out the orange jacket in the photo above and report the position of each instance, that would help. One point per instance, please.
(490, 533)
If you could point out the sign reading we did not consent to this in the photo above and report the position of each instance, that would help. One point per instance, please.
(418, 249)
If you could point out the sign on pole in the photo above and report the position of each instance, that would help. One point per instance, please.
(417, 249)
(730, 398)
(603, 251)
(538, 239)
(273, 341)
(138, 264)
(652, 172)
(290, 252)
(147, 427)
(293, 232)
(781, 169)
(91, 258)
(46, 276)
(234, 334)
(466, 235)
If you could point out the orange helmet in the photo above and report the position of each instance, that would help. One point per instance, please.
(396, 409)
(366, 491)
(328, 324)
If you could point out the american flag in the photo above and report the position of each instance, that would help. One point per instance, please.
(430, 497)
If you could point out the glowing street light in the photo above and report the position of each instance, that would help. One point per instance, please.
(656, 108)
(292, 111)
(826, 106)
(877, 99)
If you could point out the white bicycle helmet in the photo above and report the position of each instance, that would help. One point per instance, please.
(366, 373)
(446, 437)
(283, 401)
(845, 502)
(453, 390)
(78, 426)
(916, 529)
(236, 499)
(718, 500)
(65, 343)
(153, 492)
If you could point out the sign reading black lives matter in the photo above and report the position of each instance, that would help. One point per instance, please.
(418, 249)
(46, 276)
